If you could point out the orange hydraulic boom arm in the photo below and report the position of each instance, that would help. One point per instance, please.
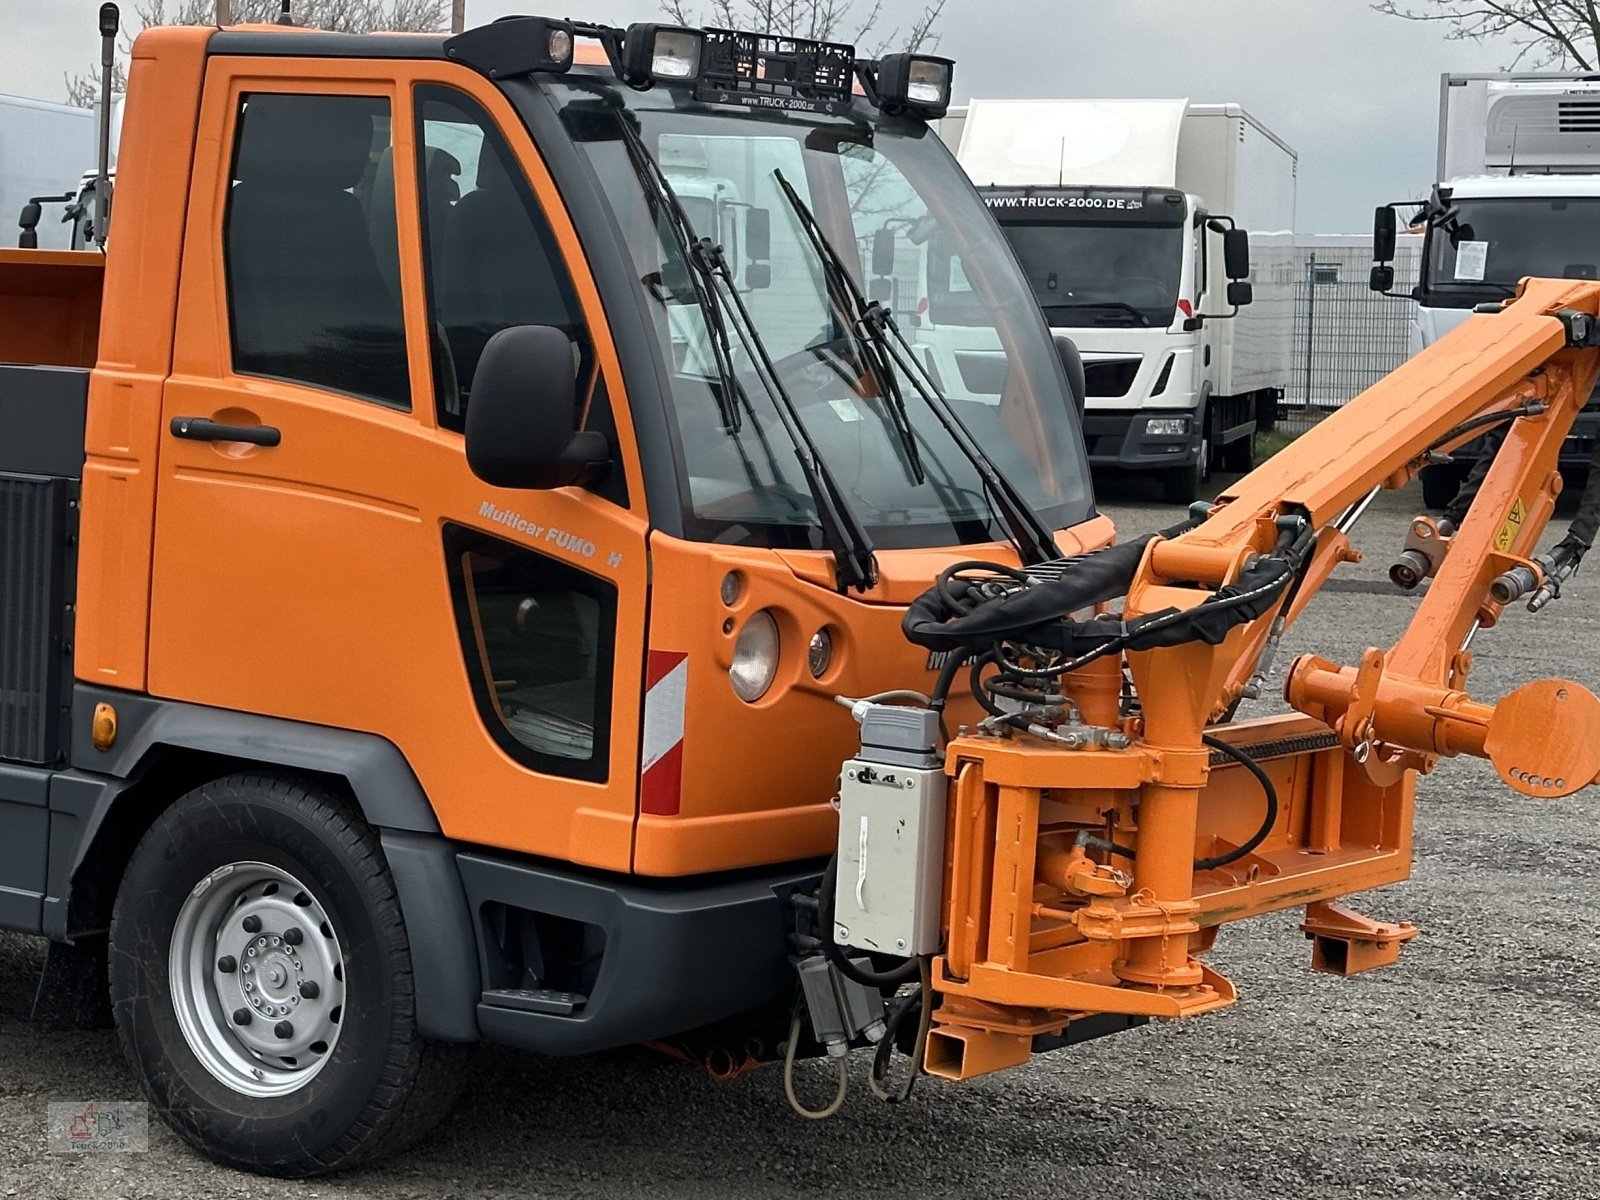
(1086, 870)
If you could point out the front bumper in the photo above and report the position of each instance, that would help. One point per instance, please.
(665, 958)
(1117, 437)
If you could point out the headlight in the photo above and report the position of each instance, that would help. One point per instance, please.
(919, 82)
(662, 53)
(819, 654)
(755, 657)
(1167, 426)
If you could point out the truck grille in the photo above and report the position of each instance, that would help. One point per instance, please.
(33, 585)
(1579, 116)
(1110, 376)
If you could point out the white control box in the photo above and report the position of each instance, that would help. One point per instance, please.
(891, 858)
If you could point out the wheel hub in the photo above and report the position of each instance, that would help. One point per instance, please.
(257, 978)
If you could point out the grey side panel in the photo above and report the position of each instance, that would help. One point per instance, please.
(38, 524)
(42, 415)
(675, 959)
(78, 804)
(439, 926)
(382, 780)
(24, 833)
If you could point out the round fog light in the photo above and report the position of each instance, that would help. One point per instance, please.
(819, 654)
(755, 657)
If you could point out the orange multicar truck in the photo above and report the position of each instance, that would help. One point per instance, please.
(446, 536)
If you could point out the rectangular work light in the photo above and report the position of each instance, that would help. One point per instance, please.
(918, 83)
(662, 53)
(514, 46)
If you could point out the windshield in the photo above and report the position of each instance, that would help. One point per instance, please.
(1495, 243)
(1101, 274)
(889, 199)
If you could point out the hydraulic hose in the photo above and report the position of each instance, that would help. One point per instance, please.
(834, 1105)
(1238, 852)
(1271, 793)
(922, 1000)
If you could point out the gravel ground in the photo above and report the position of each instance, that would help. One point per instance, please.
(1469, 1070)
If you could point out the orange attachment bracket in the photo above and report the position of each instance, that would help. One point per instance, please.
(1343, 942)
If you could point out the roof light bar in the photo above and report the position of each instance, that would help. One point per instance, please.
(723, 66)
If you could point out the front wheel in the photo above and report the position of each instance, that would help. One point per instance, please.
(262, 982)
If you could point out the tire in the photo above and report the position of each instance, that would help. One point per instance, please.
(1440, 485)
(285, 879)
(1186, 484)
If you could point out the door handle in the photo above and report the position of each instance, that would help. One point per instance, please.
(200, 429)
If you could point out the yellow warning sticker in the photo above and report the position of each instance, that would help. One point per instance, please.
(1508, 532)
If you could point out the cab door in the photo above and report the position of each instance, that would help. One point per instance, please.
(323, 553)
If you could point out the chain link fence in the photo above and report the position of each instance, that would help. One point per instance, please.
(1346, 336)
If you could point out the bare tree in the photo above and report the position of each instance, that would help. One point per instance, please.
(1545, 33)
(351, 16)
(818, 20)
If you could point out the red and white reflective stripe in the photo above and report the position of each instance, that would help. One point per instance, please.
(666, 686)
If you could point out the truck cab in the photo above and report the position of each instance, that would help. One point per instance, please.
(1119, 212)
(404, 612)
(1518, 196)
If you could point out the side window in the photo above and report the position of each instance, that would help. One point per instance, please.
(492, 260)
(538, 637)
(310, 242)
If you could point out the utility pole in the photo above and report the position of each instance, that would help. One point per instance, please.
(224, 12)
(458, 15)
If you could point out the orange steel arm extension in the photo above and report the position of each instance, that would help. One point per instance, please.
(1045, 931)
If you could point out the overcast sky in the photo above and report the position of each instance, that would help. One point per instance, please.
(1355, 93)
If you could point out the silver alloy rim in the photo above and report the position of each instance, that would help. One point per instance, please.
(258, 979)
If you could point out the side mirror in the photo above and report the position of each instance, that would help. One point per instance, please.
(1077, 381)
(883, 252)
(881, 290)
(522, 415)
(1240, 293)
(28, 222)
(1383, 234)
(1381, 279)
(758, 234)
(1235, 254)
(757, 248)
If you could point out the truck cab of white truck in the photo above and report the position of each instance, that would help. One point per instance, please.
(1127, 219)
(1518, 195)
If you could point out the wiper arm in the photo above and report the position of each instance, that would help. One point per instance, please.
(1034, 542)
(665, 209)
(1106, 305)
(854, 564)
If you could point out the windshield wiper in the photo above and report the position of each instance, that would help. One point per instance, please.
(842, 533)
(1108, 306)
(1034, 542)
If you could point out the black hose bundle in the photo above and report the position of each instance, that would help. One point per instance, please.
(975, 606)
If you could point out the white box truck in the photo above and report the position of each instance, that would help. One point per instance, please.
(44, 149)
(1158, 235)
(1518, 194)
